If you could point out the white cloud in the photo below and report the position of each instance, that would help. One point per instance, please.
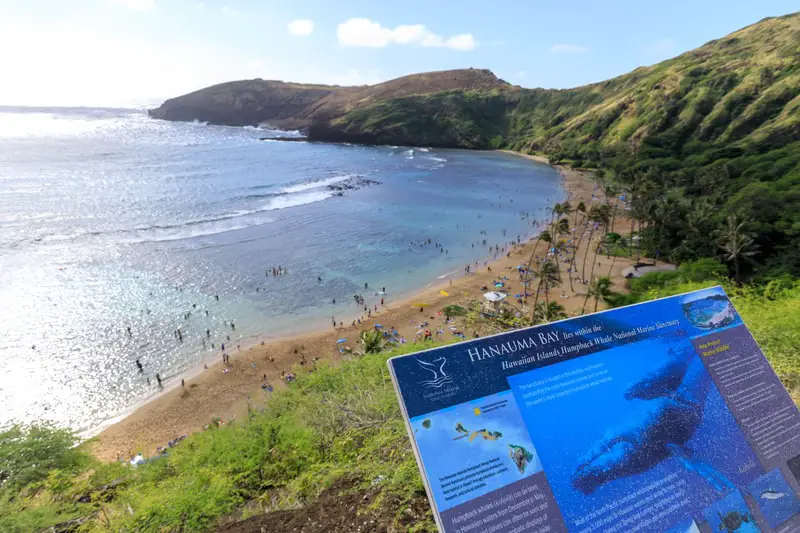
(568, 49)
(138, 5)
(366, 33)
(301, 27)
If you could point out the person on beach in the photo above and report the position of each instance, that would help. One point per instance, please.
(141, 368)
(158, 378)
(129, 331)
(183, 384)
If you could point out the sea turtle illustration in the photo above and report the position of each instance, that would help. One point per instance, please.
(731, 521)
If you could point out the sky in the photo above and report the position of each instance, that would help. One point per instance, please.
(140, 52)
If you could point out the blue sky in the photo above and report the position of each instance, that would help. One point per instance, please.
(137, 52)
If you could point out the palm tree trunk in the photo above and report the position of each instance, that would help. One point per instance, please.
(591, 280)
(546, 303)
(536, 301)
(583, 267)
(574, 256)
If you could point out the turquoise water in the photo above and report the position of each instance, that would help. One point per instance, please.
(110, 220)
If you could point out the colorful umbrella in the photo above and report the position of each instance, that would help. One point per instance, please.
(340, 341)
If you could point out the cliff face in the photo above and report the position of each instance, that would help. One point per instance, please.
(242, 103)
(293, 105)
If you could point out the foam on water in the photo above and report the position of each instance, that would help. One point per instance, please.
(305, 186)
(112, 220)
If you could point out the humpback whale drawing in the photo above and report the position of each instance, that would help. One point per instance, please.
(674, 397)
(439, 376)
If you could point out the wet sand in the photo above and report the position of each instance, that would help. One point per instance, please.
(210, 393)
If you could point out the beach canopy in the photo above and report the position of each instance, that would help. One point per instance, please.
(444, 293)
(495, 296)
(340, 341)
(378, 326)
(498, 284)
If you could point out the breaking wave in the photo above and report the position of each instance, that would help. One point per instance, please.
(295, 195)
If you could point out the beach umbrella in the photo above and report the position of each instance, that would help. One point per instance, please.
(378, 326)
(498, 284)
(340, 341)
(444, 293)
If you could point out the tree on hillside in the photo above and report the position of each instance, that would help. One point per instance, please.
(599, 289)
(546, 312)
(547, 273)
(579, 209)
(371, 341)
(598, 216)
(29, 453)
(737, 244)
(560, 229)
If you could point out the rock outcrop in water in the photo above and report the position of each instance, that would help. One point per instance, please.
(351, 184)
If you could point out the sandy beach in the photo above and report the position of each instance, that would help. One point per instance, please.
(227, 391)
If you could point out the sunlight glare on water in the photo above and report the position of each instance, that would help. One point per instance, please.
(110, 220)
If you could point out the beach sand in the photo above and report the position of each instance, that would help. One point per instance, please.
(213, 394)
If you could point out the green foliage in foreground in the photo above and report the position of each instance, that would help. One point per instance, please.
(770, 311)
(336, 422)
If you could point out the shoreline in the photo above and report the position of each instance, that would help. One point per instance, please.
(210, 393)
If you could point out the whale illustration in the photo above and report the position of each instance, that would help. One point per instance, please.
(674, 398)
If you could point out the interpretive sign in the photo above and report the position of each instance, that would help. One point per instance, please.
(658, 417)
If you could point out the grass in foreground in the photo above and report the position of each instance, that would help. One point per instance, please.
(338, 422)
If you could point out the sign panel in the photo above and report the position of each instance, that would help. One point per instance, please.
(658, 417)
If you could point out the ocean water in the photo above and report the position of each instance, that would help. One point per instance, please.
(110, 220)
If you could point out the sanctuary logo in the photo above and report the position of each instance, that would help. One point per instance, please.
(438, 376)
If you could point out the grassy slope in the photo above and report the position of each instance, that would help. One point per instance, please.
(339, 422)
(713, 132)
(744, 88)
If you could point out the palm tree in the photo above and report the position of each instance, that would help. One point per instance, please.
(565, 209)
(599, 289)
(581, 208)
(371, 341)
(545, 312)
(598, 214)
(737, 244)
(547, 272)
(559, 229)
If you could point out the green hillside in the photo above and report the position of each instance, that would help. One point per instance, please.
(328, 453)
(694, 140)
